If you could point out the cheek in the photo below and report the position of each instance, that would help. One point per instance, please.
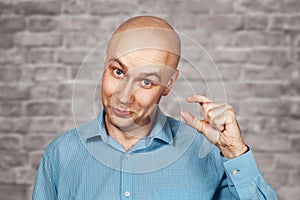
(147, 98)
(108, 84)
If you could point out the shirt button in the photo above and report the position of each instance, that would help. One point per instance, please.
(127, 155)
(235, 172)
(127, 194)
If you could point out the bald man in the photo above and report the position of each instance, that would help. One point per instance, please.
(133, 151)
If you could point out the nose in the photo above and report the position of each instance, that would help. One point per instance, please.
(125, 90)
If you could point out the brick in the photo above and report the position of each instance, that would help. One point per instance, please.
(71, 56)
(249, 90)
(79, 24)
(259, 125)
(290, 6)
(285, 23)
(37, 142)
(50, 73)
(292, 88)
(9, 74)
(65, 91)
(295, 109)
(6, 8)
(290, 162)
(11, 159)
(12, 24)
(256, 22)
(10, 142)
(39, 40)
(48, 108)
(13, 56)
(80, 40)
(38, 8)
(296, 143)
(222, 6)
(265, 160)
(89, 72)
(74, 7)
(232, 90)
(108, 8)
(277, 178)
(41, 24)
(26, 176)
(230, 72)
(266, 90)
(14, 125)
(44, 90)
(10, 108)
(200, 72)
(194, 6)
(13, 191)
(289, 125)
(220, 22)
(7, 176)
(269, 57)
(183, 21)
(14, 92)
(268, 72)
(6, 41)
(41, 56)
(35, 158)
(294, 178)
(297, 56)
(254, 39)
(220, 39)
(264, 108)
(230, 55)
(257, 6)
(268, 142)
(286, 192)
(68, 124)
(44, 125)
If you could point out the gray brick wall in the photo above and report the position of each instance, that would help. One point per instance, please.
(255, 43)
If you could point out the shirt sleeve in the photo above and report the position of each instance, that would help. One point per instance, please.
(44, 188)
(243, 180)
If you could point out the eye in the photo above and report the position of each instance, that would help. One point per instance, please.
(146, 83)
(118, 72)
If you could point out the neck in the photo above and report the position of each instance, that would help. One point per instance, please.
(128, 138)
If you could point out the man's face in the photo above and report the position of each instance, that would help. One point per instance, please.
(132, 86)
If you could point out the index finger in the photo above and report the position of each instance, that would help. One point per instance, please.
(198, 99)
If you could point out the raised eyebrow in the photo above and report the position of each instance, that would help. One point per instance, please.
(119, 62)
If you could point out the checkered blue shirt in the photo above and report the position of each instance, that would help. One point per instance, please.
(174, 162)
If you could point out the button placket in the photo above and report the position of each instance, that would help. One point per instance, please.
(126, 177)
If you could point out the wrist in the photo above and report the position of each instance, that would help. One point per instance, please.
(234, 152)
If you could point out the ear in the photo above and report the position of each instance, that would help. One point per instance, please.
(171, 83)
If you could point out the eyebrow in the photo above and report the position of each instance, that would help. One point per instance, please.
(125, 68)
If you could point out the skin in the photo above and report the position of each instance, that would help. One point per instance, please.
(139, 71)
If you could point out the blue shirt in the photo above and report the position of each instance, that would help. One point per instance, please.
(174, 162)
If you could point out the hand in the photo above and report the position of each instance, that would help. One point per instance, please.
(219, 126)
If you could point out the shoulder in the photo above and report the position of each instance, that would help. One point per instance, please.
(62, 143)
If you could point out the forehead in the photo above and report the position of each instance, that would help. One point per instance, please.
(145, 46)
(148, 58)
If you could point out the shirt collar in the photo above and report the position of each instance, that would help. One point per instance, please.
(161, 129)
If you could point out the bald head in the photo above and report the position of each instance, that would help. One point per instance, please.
(145, 32)
(142, 22)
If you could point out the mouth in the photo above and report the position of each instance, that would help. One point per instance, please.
(121, 113)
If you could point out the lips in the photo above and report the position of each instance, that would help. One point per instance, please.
(121, 113)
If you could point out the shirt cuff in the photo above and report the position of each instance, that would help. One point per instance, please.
(242, 169)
